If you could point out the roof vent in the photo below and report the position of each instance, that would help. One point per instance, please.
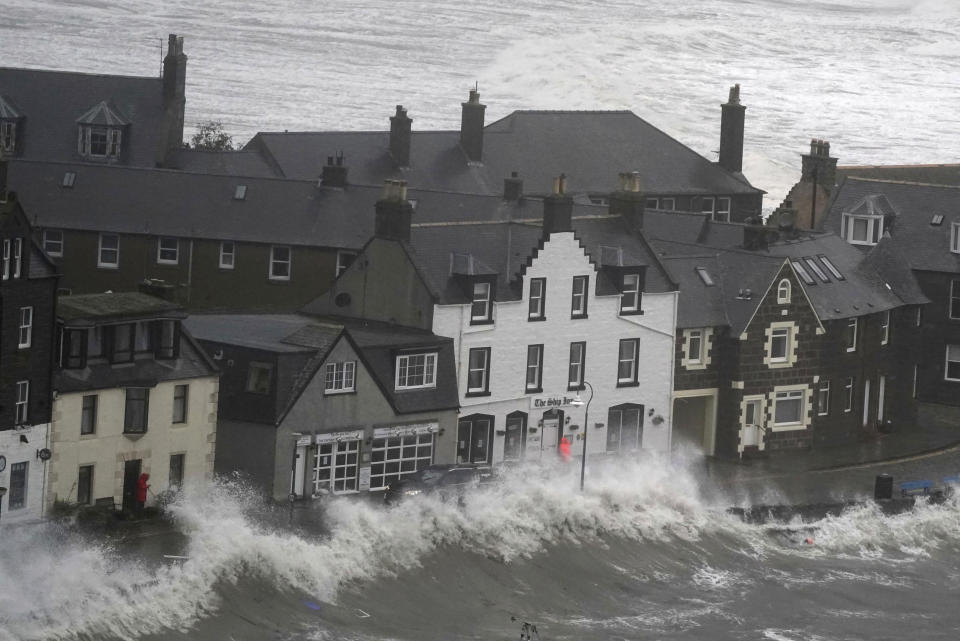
(936, 220)
(744, 294)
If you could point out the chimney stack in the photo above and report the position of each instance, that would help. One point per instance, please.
(334, 173)
(394, 213)
(513, 187)
(471, 127)
(557, 208)
(756, 235)
(174, 93)
(818, 166)
(400, 137)
(628, 200)
(731, 132)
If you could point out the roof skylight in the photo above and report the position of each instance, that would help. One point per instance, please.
(704, 276)
(240, 193)
(812, 264)
(803, 273)
(833, 270)
(69, 178)
(936, 220)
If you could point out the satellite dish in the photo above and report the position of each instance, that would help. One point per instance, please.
(44, 454)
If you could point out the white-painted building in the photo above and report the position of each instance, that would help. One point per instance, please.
(23, 472)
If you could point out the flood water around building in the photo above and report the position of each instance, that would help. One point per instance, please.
(878, 78)
(639, 555)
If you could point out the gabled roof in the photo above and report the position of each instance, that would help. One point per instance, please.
(12, 216)
(872, 205)
(105, 114)
(50, 102)
(227, 163)
(590, 147)
(8, 109)
(921, 241)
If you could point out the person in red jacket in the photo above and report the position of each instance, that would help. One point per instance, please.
(565, 449)
(142, 487)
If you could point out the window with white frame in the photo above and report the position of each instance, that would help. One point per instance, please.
(228, 255)
(788, 407)
(26, 328)
(344, 260)
(108, 254)
(695, 347)
(534, 368)
(862, 230)
(481, 306)
(279, 262)
(885, 328)
(538, 299)
(779, 344)
(17, 256)
(181, 397)
(952, 368)
(6, 258)
(802, 272)
(478, 371)
(783, 292)
(630, 293)
(399, 456)
(416, 370)
(627, 361)
(53, 242)
(668, 204)
(339, 378)
(168, 251)
(708, 205)
(23, 403)
(99, 142)
(578, 301)
(851, 335)
(8, 136)
(955, 238)
(652, 203)
(954, 302)
(17, 498)
(823, 398)
(578, 353)
(848, 394)
(723, 210)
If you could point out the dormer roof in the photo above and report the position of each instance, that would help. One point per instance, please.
(872, 205)
(104, 114)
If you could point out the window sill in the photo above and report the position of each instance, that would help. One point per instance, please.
(481, 321)
(536, 319)
(576, 388)
(631, 312)
(534, 390)
(338, 392)
(277, 280)
(788, 427)
(99, 266)
(628, 383)
(475, 394)
(578, 316)
(134, 436)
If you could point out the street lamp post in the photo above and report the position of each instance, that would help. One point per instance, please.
(3, 492)
(577, 402)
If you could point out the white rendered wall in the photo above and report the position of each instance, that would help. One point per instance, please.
(16, 451)
(508, 337)
(109, 447)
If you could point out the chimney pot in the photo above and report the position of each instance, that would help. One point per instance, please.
(732, 117)
(513, 187)
(334, 174)
(400, 125)
(471, 127)
(734, 97)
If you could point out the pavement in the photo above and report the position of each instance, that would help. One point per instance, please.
(929, 450)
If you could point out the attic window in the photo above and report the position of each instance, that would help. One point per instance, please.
(240, 193)
(936, 220)
(833, 270)
(812, 264)
(68, 179)
(704, 276)
(99, 142)
(803, 273)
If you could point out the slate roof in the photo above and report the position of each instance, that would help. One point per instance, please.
(872, 283)
(923, 245)
(8, 109)
(590, 147)
(227, 163)
(92, 309)
(937, 174)
(39, 265)
(505, 247)
(191, 362)
(51, 102)
(103, 113)
(279, 333)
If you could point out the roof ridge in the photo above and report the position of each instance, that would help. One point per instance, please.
(900, 182)
(906, 166)
(80, 73)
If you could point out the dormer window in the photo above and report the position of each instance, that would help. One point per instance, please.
(862, 230)
(100, 132)
(8, 136)
(481, 307)
(630, 294)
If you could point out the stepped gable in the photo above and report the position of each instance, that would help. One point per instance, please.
(922, 241)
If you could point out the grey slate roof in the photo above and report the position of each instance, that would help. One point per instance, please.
(227, 163)
(89, 309)
(938, 174)
(51, 102)
(270, 332)
(923, 245)
(591, 147)
(192, 362)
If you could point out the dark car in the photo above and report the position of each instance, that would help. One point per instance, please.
(450, 480)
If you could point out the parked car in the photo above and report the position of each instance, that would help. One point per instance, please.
(448, 481)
